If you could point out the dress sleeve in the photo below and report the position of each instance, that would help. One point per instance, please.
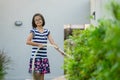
(48, 32)
(32, 31)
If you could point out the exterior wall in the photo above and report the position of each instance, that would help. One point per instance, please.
(13, 38)
(99, 6)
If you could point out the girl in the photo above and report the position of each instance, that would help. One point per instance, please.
(37, 38)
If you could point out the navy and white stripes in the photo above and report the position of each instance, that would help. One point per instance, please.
(40, 38)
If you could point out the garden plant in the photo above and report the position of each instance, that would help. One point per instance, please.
(96, 50)
(4, 62)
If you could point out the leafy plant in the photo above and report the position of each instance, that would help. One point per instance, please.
(96, 51)
(4, 61)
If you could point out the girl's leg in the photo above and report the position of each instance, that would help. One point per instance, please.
(38, 76)
(41, 76)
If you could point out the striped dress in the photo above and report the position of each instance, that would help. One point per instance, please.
(41, 64)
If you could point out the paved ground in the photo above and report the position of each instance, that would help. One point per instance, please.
(57, 78)
(60, 78)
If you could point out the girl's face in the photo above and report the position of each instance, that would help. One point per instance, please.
(38, 20)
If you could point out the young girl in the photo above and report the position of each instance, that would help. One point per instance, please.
(37, 38)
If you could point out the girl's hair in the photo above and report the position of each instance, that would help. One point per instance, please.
(33, 22)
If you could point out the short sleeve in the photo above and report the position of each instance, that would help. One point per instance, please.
(48, 32)
(32, 31)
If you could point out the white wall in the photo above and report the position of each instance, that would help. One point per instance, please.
(13, 38)
(100, 7)
(97, 6)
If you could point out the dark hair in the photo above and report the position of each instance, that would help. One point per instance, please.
(33, 22)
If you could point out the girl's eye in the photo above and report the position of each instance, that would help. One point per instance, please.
(38, 19)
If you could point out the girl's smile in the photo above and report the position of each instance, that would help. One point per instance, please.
(38, 20)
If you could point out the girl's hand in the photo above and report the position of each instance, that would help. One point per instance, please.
(55, 46)
(40, 45)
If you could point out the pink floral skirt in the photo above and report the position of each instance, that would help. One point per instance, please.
(41, 65)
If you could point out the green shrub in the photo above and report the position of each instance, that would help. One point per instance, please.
(96, 51)
(4, 61)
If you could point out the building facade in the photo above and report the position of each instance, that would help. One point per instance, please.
(15, 23)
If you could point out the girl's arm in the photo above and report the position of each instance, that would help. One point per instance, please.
(30, 42)
(52, 41)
